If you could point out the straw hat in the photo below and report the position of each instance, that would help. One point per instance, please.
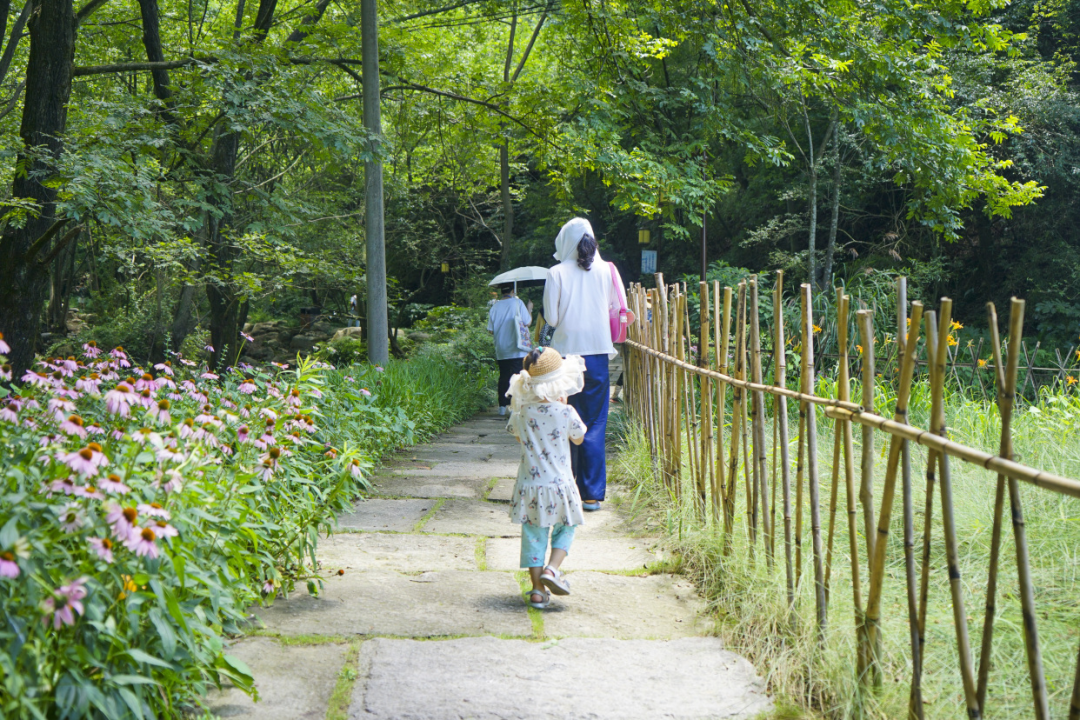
(549, 378)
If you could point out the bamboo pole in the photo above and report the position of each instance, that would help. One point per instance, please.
(800, 465)
(877, 567)
(747, 462)
(866, 489)
(811, 462)
(680, 381)
(1006, 383)
(838, 430)
(708, 478)
(736, 419)
(948, 521)
(723, 338)
(780, 412)
(759, 420)
(849, 473)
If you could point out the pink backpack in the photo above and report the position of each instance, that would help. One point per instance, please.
(622, 318)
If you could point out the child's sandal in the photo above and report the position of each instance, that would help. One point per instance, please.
(538, 605)
(555, 581)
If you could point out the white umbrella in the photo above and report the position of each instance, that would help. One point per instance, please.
(531, 274)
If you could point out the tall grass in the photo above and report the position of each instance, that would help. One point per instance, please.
(819, 679)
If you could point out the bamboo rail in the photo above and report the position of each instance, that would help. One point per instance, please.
(680, 396)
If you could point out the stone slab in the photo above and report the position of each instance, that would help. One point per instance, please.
(294, 682)
(617, 606)
(392, 551)
(377, 514)
(595, 554)
(422, 487)
(503, 490)
(453, 469)
(380, 602)
(458, 452)
(473, 517)
(572, 679)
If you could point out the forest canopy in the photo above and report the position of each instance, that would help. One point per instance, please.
(175, 170)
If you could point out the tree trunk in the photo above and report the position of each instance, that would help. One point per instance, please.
(378, 337)
(811, 245)
(221, 254)
(830, 248)
(508, 205)
(23, 277)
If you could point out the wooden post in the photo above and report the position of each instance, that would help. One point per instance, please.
(736, 418)
(723, 334)
(811, 461)
(708, 477)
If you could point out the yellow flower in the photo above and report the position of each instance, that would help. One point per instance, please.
(956, 326)
(859, 348)
(982, 362)
(1078, 356)
(817, 328)
(951, 341)
(129, 586)
(1070, 379)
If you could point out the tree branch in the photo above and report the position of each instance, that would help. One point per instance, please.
(87, 10)
(529, 47)
(39, 244)
(14, 99)
(13, 41)
(60, 245)
(88, 70)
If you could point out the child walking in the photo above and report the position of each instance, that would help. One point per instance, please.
(546, 498)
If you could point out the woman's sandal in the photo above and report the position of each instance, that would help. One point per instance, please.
(538, 605)
(555, 581)
(590, 505)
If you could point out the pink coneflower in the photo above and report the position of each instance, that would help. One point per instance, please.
(145, 398)
(268, 587)
(117, 433)
(266, 470)
(247, 337)
(74, 426)
(91, 350)
(70, 518)
(208, 348)
(159, 411)
(64, 485)
(209, 376)
(316, 392)
(378, 369)
(207, 416)
(65, 600)
(103, 547)
(119, 399)
(8, 567)
(187, 428)
(263, 442)
(9, 413)
(95, 429)
(169, 454)
(165, 367)
(35, 378)
(365, 392)
(108, 374)
(242, 434)
(49, 439)
(67, 366)
(273, 391)
(5, 371)
(142, 435)
(113, 484)
(88, 491)
(164, 382)
(86, 461)
(189, 386)
(4, 348)
(187, 363)
(146, 382)
(355, 469)
(163, 529)
(122, 520)
(175, 483)
(142, 543)
(247, 387)
(154, 510)
(283, 366)
(60, 408)
(121, 356)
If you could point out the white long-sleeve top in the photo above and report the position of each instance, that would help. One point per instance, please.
(579, 303)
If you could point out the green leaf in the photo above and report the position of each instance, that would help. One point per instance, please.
(139, 656)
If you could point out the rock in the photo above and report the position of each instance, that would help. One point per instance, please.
(323, 328)
(302, 342)
(348, 332)
(263, 328)
(419, 337)
(319, 337)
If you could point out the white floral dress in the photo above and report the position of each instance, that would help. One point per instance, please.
(545, 493)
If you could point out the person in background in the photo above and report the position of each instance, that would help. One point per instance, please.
(579, 296)
(354, 311)
(502, 323)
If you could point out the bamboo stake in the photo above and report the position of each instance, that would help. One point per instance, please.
(736, 418)
(849, 473)
(877, 567)
(759, 420)
(811, 462)
(680, 381)
(915, 705)
(708, 478)
(747, 463)
(866, 490)
(800, 464)
(722, 335)
(838, 430)
(1006, 383)
(780, 412)
(948, 520)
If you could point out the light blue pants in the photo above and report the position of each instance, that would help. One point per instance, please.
(534, 542)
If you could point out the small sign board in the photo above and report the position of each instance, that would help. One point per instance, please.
(648, 262)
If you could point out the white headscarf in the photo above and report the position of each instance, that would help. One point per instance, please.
(567, 240)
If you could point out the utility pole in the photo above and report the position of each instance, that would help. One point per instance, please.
(378, 332)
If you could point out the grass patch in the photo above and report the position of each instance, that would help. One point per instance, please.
(341, 698)
(481, 553)
(811, 679)
(490, 486)
(536, 617)
(439, 502)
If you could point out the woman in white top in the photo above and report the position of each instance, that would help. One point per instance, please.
(579, 296)
(503, 324)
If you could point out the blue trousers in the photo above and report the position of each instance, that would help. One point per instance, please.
(534, 542)
(589, 463)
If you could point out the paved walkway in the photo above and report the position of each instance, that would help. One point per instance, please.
(422, 615)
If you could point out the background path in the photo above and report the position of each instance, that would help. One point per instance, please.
(422, 616)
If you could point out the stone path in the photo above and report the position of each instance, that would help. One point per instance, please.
(421, 614)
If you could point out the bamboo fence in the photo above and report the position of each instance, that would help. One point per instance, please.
(677, 401)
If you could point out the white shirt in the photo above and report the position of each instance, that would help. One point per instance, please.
(502, 321)
(579, 304)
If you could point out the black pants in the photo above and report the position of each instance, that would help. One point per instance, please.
(507, 369)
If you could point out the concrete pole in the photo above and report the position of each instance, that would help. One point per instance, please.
(378, 333)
